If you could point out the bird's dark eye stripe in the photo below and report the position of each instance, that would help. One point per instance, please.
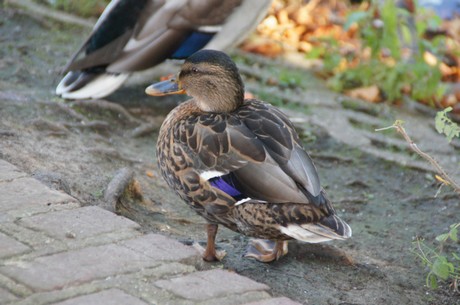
(195, 70)
(192, 70)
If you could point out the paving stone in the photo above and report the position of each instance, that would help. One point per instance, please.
(26, 192)
(160, 248)
(106, 297)
(237, 299)
(10, 246)
(78, 223)
(8, 171)
(134, 283)
(276, 301)
(12, 287)
(76, 267)
(41, 243)
(6, 296)
(209, 284)
(133, 260)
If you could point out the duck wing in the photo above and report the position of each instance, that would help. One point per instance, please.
(110, 34)
(253, 153)
(134, 35)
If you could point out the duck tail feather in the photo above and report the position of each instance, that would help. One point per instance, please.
(83, 85)
(336, 226)
(329, 228)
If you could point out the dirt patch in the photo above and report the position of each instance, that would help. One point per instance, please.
(78, 147)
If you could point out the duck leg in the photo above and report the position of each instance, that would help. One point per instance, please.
(265, 250)
(210, 254)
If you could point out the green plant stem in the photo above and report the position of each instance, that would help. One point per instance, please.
(398, 126)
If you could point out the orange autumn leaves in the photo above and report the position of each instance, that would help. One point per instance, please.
(304, 26)
(294, 26)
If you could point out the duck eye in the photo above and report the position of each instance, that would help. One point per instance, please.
(195, 70)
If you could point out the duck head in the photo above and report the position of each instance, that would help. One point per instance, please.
(210, 77)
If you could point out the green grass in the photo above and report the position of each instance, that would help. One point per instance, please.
(83, 8)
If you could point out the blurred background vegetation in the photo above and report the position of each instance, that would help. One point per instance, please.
(378, 51)
(83, 8)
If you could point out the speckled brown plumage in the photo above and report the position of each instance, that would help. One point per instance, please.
(240, 163)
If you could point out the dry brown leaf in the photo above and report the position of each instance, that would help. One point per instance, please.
(330, 30)
(430, 58)
(305, 46)
(283, 17)
(448, 73)
(371, 93)
(456, 108)
(264, 46)
(302, 16)
(448, 100)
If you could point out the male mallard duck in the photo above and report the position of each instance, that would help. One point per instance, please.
(137, 35)
(240, 163)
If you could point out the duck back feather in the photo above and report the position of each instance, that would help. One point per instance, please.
(134, 35)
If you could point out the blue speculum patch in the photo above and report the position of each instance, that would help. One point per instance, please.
(193, 43)
(227, 184)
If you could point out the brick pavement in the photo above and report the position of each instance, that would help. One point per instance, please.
(54, 251)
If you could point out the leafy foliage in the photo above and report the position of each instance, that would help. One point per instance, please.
(84, 8)
(445, 125)
(441, 265)
(328, 49)
(388, 66)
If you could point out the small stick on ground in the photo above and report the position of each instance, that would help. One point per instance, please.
(447, 179)
(97, 125)
(107, 106)
(116, 187)
(144, 129)
(66, 109)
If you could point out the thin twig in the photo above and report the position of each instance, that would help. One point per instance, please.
(107, 106)
(144, 129)
(95, 125)
(65, 108)
(398, 126)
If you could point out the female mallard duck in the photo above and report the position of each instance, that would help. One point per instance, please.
(240, 162)
(134, 35)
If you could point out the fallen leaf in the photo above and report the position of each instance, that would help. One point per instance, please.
(264, 46)
(448, 100)
(371, 93)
